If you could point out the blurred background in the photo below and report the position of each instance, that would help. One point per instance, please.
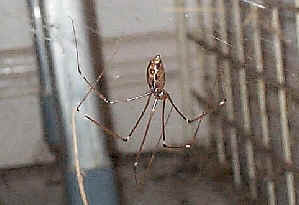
(243, 50)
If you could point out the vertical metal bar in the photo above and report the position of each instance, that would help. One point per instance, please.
(214, 123)
(202, 71)
(221, 11)
(184, 69)
(297, 22)
(239, 52)
(283, 106)
(262, 98)
(93, 157)
(49, 106)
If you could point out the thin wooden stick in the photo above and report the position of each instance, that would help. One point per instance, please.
(77, 163)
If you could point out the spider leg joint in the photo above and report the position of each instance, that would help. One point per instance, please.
(222, 102)
(126, 139)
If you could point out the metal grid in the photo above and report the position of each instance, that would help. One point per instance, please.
(249, 48)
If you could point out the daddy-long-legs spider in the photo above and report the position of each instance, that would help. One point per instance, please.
(155, 76)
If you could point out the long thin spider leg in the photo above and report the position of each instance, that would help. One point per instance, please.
(188, 145)
(221, 103)
(157, 144)
(198, 118)
(114, 134)
(144, 137)
(76, 45)
(92, 86)
(140, 117)
(153, 154)
(163, 123)
(90, 89)
(128, 99)
(108, 131)
(106, 100)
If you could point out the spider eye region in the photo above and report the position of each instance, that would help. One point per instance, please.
(157, 59)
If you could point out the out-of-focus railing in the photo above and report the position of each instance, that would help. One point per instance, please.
(251, 51)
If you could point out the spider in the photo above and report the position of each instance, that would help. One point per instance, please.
(155, 76)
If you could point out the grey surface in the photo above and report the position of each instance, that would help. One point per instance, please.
(15, 28)
(195, 178)
(30, 186)
(21, 131)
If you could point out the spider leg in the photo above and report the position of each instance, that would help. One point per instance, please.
(200, 117)
(101, 96)
(163, 123)
(114, 134)
(107, 130)
(187, 145)
(220, 104)
(144, 137)
(140, 117)
(92, 86)
(153, 154)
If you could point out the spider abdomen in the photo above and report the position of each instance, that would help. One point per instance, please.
(155, 74)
